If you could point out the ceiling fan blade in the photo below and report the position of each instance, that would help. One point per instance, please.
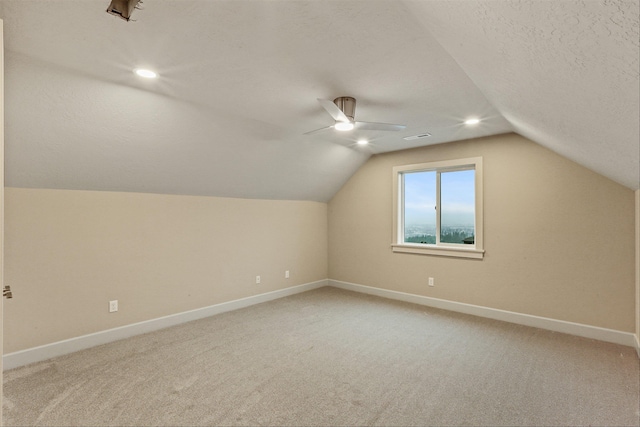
(318, 130)
(333, 109)
(378, 126)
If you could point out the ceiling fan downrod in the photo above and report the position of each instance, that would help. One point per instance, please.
(347, 105)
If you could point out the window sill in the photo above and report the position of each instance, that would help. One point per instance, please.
(449, 251)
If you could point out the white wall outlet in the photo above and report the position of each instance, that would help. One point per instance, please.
(431, 281)
(257, 280)
(286, 274)
(113, 306)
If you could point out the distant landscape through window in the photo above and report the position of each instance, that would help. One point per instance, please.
(438, 208)
(457, 206)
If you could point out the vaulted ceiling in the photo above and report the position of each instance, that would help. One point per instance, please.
(238, 83)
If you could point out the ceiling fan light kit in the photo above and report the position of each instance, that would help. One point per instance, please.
(343, 110)
(343, 126)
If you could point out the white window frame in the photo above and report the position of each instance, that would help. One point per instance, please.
(476, 250)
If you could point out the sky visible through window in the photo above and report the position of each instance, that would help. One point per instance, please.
(420, 199)
(457, 197)
(457, 200)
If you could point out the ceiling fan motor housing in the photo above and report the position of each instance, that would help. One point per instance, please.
(347, 105)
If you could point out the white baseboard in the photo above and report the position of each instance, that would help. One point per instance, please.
(581, 330)
(44, 352)
(638, 344)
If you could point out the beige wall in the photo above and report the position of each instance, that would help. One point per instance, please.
(1, 193)
(559, 239)
(68, 253)
(638, 270)
(559, 243)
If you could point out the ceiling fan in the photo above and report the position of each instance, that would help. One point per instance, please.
(343, 109)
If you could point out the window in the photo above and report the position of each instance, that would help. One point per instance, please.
(438, 208)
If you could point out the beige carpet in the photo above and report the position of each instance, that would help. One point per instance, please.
(331, 357)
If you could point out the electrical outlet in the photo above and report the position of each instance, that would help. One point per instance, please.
(286, 274)
(257, 280)
(431, 281)
(113, 306)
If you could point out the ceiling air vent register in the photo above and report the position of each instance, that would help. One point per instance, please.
(420, 136)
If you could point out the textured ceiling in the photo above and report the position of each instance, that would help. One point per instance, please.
(563, 73)
(239, 81)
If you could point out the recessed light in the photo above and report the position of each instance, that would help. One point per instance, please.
(362, 142)
(342, 126)
(472, 121)
(147, 74)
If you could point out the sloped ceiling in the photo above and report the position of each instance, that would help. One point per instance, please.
(238, 82)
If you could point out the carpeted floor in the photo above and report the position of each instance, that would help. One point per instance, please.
(332, 357)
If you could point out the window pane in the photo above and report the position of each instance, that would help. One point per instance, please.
(457, 211)
(419, 207)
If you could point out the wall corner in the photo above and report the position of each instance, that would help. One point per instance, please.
(637, 215)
